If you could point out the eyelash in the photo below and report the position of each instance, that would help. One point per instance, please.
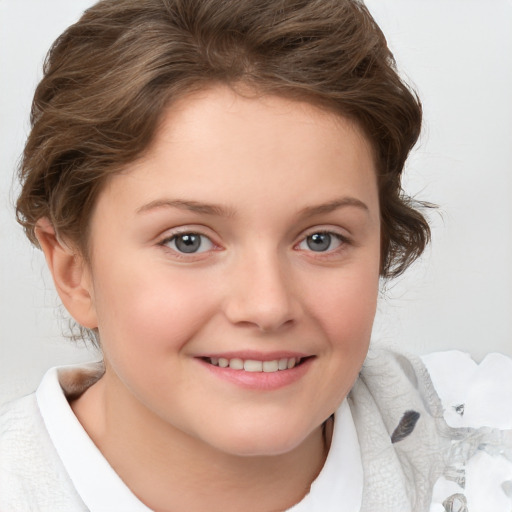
(165, 243)
(342, 240)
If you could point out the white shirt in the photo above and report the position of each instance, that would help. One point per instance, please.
(99, 486)
(102, 490)
(43, 445)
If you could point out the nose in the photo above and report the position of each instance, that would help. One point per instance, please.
(261, 293)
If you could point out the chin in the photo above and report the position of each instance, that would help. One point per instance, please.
(263, 442)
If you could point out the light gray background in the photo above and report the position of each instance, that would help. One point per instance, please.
(457, 53)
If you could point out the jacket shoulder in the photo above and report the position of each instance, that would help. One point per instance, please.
(32, 476)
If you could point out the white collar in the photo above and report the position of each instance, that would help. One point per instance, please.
(99, 486)
(102, 490)
(340, 483)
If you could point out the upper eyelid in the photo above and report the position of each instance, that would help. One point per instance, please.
(342, 233)
(342, 238)
(331, 231)
(171, 233)
(176, 235)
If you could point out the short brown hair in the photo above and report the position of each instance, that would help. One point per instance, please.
(109, 77)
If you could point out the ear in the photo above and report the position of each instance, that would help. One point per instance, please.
(70, 274)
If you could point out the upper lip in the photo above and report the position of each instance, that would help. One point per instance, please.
(255, 355)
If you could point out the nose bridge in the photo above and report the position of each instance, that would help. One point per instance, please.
(261, 290)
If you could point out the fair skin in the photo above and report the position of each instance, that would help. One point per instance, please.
(248, 231)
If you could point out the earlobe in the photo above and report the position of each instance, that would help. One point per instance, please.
(70, 274)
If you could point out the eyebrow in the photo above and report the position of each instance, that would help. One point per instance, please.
(220, 211)
(335, 204)
(191, 206)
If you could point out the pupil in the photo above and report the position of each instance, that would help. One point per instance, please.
(188, 243)
(319, 242)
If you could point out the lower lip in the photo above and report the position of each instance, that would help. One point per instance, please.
(260, 381)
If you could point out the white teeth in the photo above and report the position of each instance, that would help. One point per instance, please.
(270, 366)
(253, 365)
(283, 364)
(236, 364)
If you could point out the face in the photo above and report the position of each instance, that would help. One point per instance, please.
(234, 271)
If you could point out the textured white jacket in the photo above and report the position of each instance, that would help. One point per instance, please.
(412, 459)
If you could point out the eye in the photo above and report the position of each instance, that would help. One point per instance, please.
(321, 242)
(189, 243)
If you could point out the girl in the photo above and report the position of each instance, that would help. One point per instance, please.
(216, 186)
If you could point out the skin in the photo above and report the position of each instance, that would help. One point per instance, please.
(280, 171)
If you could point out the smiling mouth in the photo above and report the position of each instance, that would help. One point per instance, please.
(255, 366)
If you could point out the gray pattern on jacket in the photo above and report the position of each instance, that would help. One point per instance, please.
(399, 477)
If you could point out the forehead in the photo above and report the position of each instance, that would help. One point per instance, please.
(220, 146)
(222, 115)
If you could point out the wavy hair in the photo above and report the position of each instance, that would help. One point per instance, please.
(109, 77)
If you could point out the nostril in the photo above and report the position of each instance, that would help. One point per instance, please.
(260, 294)
(264, 319)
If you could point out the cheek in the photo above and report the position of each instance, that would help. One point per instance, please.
(345, 306)
(356, 309)
(342, 310)
(150, 308)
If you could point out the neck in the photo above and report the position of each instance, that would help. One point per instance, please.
(167, 469)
